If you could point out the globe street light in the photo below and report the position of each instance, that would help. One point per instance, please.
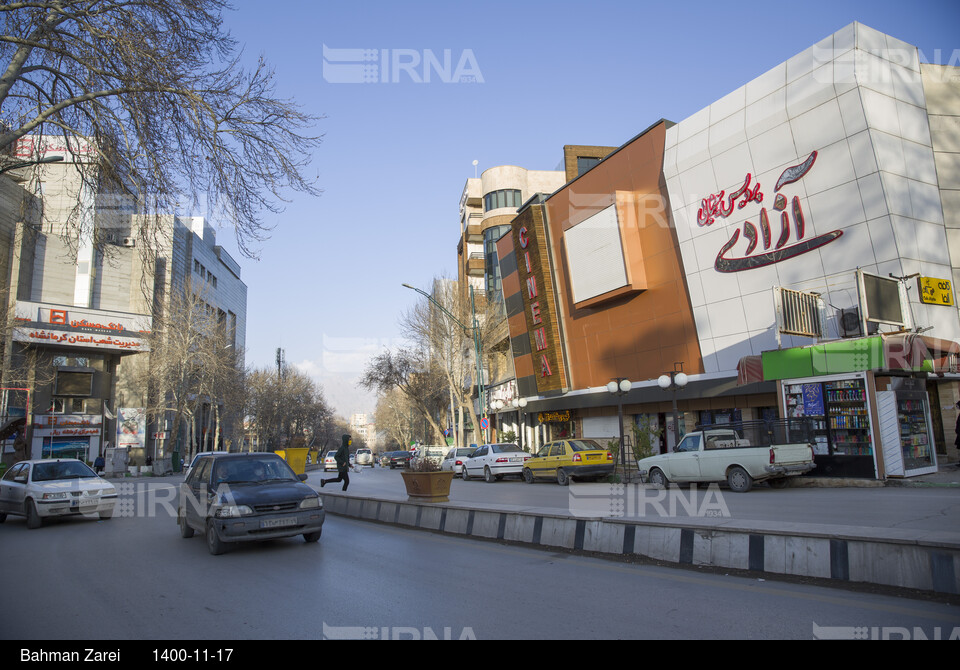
(620, 387)
(674, 381)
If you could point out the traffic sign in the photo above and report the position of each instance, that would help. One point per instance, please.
(484, 423)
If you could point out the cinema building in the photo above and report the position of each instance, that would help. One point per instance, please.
(791, 248)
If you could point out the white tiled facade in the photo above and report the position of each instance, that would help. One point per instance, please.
(857, 99)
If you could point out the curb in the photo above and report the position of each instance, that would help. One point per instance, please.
(920, 561)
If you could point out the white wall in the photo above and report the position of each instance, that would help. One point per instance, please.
(856, 98)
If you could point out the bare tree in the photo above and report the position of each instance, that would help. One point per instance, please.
(449, 327)
(416, 377)
(187, 353)
(394, 415)
(288, 406)
(156, 90)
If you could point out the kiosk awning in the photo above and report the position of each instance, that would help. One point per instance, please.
(910, 352)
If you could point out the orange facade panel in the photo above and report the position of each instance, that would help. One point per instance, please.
(641, 330)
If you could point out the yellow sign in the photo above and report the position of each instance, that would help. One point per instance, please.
(935, 291)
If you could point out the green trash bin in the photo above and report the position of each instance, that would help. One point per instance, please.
(175, 461)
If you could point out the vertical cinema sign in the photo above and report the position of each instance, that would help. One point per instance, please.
(528, 294)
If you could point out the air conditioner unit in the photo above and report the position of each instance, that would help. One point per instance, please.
(848, 323)
(129, 241)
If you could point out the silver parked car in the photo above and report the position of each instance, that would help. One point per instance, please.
(45, 488)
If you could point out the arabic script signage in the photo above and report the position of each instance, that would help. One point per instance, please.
(61, 325)
(762, 249)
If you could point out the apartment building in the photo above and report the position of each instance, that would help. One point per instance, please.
(82, 291)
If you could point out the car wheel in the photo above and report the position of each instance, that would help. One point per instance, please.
(738, 480)
(465, 474)
(528, 475)
(312, 537)
(186, 532)
(215, 545)
(33, 517)
(563, 479)
(658, 479)
(487, 475)
(778, 483)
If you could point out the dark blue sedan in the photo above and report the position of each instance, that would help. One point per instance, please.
(234, 498)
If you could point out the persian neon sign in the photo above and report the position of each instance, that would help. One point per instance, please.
(721, 205)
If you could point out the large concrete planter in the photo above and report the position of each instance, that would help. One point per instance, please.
(427, 486)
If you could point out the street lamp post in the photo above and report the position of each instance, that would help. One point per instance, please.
(477, 347)
(620, 387)
(519, 404)
(674, 381)
(42, 161)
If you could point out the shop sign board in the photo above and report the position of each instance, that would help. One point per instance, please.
(934, 291)
(68, 326)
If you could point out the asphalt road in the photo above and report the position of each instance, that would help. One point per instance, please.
(134, 577)
(934, 509)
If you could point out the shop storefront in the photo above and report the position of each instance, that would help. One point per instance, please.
(906, 427)
(841, 414)
(556, 425)
(868, 401)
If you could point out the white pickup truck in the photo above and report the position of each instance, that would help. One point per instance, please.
(738, 454)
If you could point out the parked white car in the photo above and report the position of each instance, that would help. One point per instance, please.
(739, 455)
(453, 462)
(495, 461)
(45, 488)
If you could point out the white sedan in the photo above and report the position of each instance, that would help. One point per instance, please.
(453, 462)
(54, 487)
(329, 462)
(494, 461)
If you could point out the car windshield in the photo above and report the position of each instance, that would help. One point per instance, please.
(252, 471)
(585, 445)
(504, 448)
(46, 472)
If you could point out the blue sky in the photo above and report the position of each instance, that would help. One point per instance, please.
(396, 155)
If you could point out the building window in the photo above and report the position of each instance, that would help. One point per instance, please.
(508, 197)
(492, 269)
(585, 163)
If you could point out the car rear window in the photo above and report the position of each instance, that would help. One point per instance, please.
(45, 472)
(504, 448)
(585, 445)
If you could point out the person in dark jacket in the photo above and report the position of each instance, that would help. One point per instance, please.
(342, 457)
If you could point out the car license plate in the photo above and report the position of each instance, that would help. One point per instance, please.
(279, 523)
(515, 460)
